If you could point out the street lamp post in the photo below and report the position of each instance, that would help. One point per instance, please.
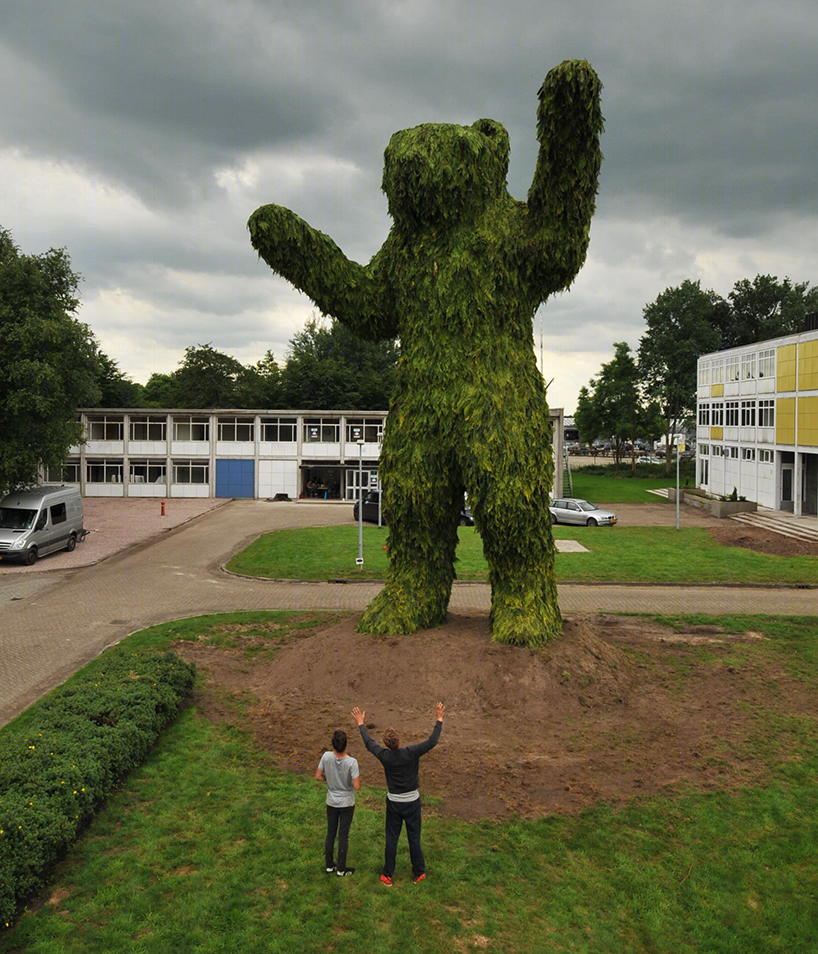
(360, 560)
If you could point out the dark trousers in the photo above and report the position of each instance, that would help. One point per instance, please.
(340, 820)
(396, 814)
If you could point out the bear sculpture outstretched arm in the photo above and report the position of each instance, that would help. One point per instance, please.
(353, 293)
(561, 201)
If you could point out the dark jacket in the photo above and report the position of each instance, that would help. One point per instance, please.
(401, 766)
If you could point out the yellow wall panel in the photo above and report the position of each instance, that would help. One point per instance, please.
(785, 366)
(716, 390)
(808, 366)
(716, 433)
(808, 421)
(785, 420)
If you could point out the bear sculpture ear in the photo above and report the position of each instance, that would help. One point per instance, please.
(498, 139)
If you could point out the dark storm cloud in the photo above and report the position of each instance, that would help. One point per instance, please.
(191, 115)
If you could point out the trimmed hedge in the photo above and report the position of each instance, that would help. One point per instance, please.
(66, 758)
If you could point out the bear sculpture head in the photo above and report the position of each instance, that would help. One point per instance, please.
(441, 174)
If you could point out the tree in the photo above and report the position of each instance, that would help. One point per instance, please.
(681, 327)
(765, 308)
(615, 406)
(48, 363)
(115, 388)
(333, 368)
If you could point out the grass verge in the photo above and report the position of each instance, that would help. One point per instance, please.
(617, 554)
(208, 848)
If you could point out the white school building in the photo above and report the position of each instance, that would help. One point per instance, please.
(138, 452)
(757, 422)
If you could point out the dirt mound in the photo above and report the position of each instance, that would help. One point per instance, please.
(614, 708)
(763, 541)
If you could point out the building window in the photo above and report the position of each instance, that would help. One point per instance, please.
(765, 456)
(717, 372)
(703, 450)
(704, 415)
(322, 430)
(191, 429)
(766, 413)
(730, 452)
(748, 366)
(748, 413)
(148, 428)
(69, 473)
(748, 453)
(191, 472)
(717, 415)
(148, 472)
(766, 363)
(731, 413)
(715, 450)
(105, 428)
(704, 373)
(731, 369)
(103, 471)
(279, 430)
(365, 429)
(238, 429)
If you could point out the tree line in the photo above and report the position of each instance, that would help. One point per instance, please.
(653, 392)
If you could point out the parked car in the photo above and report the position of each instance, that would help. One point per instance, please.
(371, 510)
(574, 510)
(649, 459)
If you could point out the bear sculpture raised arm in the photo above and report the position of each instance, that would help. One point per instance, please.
(458, 280)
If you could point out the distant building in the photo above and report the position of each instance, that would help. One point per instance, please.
(138, 452)
(757, 422)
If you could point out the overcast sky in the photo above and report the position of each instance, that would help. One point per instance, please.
(141, 135)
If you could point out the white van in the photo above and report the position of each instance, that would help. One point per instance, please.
(39, 521)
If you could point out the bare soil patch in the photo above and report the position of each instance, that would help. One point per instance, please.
(763, 541)
(615, 708)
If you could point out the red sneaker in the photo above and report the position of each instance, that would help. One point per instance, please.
(385, 879)
(420, 877)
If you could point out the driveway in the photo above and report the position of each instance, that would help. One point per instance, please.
(53, 623)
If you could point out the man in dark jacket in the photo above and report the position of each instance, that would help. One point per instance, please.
(401, 766)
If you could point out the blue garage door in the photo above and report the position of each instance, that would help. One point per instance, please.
(235, 478)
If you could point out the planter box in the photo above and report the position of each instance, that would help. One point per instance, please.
(716, 508)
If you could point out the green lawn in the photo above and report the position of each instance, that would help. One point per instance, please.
(208, 848)
(607, 489)
(617, 554)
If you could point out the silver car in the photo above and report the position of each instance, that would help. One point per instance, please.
(573, 510)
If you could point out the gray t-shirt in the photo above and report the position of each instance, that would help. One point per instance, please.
(339, 774)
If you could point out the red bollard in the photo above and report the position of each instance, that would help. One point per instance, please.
(163, 508)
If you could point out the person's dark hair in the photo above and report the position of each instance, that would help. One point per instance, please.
(390, 739)
(339, 740)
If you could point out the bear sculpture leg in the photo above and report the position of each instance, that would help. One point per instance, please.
(422, 509)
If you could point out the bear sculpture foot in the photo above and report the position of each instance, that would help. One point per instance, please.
(398, 614)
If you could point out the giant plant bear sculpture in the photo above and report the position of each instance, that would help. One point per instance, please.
(458, 280)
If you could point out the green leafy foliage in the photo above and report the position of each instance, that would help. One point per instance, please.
(458, 280)
(63, 760)
(48, 363)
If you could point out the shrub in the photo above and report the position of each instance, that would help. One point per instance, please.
(64, 760)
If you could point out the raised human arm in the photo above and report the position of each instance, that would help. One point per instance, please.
(420, 748)
(556, 222)
(357, 295)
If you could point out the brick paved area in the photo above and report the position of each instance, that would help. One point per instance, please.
(53, 623)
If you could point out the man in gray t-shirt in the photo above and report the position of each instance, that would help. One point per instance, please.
(340, 772)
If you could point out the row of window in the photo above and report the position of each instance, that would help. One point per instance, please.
(734, 367)
(735, 413)
(139, 472)
(237, 429)
(765, 456)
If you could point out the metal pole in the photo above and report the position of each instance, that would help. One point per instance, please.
(678, 455)
(360, 560)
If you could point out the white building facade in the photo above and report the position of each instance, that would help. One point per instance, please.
(138, 452)
(757, 422)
